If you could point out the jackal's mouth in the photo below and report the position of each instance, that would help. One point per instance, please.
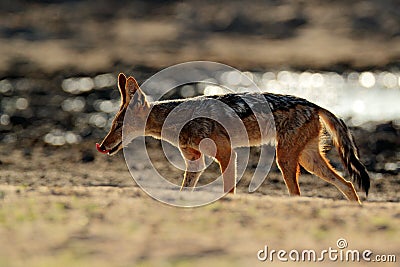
(110, 152)
(115, 149)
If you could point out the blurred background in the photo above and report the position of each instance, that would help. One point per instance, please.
(60, 59)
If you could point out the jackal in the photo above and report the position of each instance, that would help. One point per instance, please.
(300, 129)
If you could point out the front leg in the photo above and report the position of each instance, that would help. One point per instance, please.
(227, 163)
(195, 164)
(226, 158)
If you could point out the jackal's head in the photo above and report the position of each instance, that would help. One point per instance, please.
(130, 91)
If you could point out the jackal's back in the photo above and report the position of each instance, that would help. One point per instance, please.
(264, 116)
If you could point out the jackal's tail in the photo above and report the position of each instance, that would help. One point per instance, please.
(348, 152)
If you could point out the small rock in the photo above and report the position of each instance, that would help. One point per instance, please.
(27, 152)
(87, 156)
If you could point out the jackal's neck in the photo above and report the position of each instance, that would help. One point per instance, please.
(158, 114)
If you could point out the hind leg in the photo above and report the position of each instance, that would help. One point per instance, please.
(288, 164)
(313, 161)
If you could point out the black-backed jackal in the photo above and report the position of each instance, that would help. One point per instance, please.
(299, 134)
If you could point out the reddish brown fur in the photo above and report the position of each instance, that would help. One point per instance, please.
(299, 131)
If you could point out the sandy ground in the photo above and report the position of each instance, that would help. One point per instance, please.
(93, 214)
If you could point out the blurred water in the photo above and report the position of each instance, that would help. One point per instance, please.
(357, 97)
(79, 107)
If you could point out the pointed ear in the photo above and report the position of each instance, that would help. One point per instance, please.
(133, 89)
(121, 86)
(131, 86)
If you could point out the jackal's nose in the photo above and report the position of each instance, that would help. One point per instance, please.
(101, 148)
